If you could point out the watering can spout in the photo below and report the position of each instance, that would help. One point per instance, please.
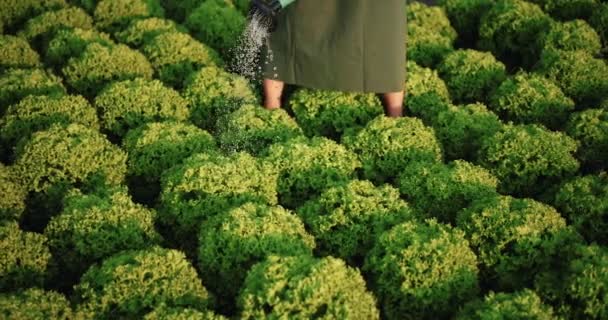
(270, 7)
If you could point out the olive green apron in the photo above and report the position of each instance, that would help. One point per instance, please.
(343, 45)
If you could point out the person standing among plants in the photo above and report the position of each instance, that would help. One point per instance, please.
(342, 45)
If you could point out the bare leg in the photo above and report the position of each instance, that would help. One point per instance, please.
(273, 89)
(393, 103)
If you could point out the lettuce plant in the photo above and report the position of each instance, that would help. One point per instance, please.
(304, 287)
(232, 242)
(128, 104)
(421, 270)
(131, 283)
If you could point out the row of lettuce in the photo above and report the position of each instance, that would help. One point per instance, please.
(489, 200)
(222, 210)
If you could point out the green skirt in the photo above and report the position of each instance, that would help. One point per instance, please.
(342, 45)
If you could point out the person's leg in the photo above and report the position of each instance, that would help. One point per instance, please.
(273, 89)
(393, 103)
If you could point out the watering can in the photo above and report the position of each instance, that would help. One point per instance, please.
(269, 10)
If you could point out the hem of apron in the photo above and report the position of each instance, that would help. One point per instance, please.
(339, 88)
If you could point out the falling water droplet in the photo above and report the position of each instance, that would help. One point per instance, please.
(246, 58)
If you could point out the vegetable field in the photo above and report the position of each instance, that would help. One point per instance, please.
(141, 179)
